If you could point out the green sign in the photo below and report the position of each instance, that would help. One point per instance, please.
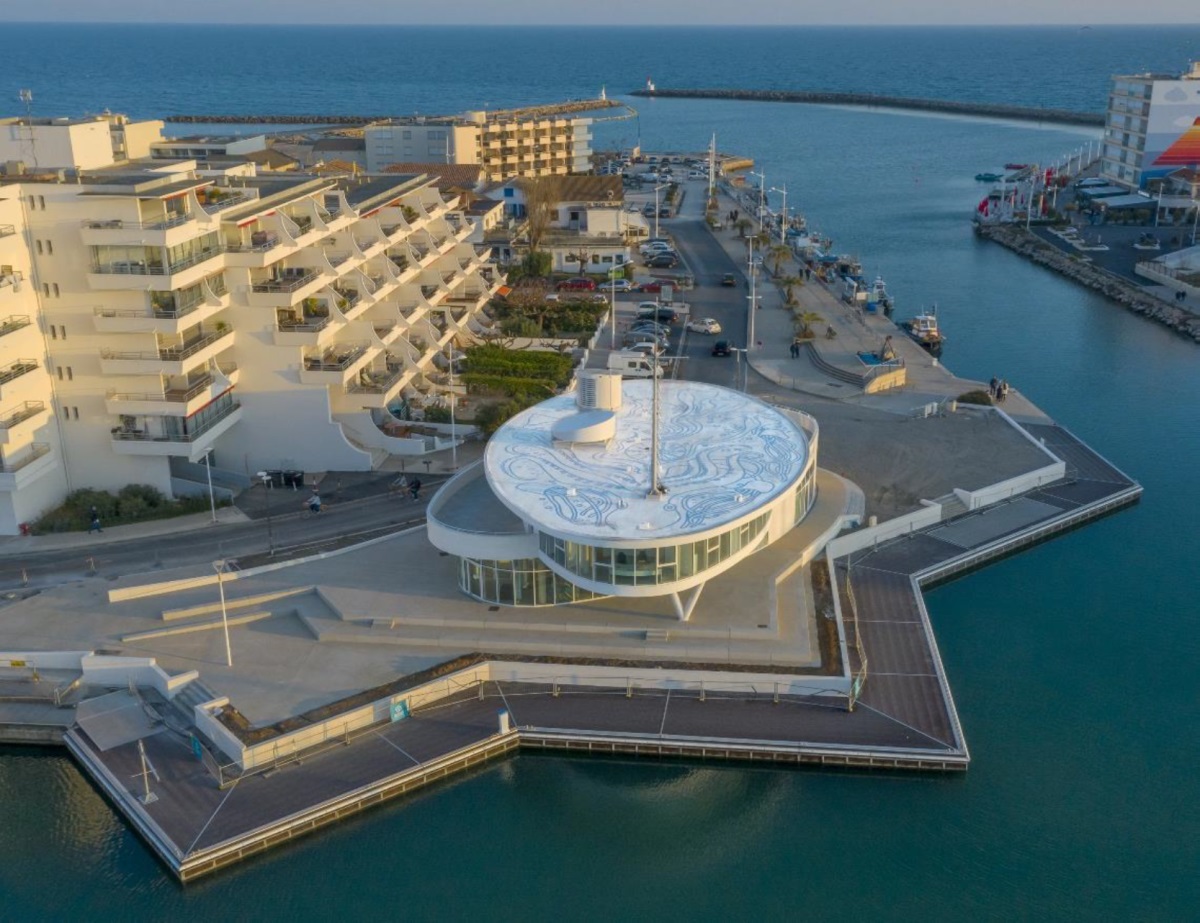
(399, 710)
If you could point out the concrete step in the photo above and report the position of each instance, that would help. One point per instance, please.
(209, 624)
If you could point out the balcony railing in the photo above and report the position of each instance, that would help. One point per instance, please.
(22, 412)
(262, 245)
(173, 395)
(377, 382)
(307, 325)
(335, 360)
(124, 435)
(171, 353)
(290, 284)
(17, 369)
(36, 451)
(119, 224)
(230, 199)
(144, 268)
(13, 322)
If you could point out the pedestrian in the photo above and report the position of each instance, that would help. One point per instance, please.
(94, 525)
(414, 488)
(995, 383)
(314, 503)
(1003, 390)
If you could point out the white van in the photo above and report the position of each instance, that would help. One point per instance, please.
(633, 365)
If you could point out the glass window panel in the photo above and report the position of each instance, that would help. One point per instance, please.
(604, 556)
(687, 561)
(624, 567)
(504, 581)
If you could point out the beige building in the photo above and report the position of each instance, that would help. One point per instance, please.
(66, 144)
(157, 315)
(507, 143)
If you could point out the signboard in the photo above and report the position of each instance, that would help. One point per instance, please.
(399, 710)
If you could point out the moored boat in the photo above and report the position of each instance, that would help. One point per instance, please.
(924, 330)
(989, 177)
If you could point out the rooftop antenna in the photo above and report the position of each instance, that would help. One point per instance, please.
(27, 139)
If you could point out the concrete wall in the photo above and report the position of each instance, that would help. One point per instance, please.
(86, 144)
(901, 525)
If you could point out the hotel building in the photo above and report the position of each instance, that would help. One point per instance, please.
(1152, 127)
(506, 143)
(159, 314)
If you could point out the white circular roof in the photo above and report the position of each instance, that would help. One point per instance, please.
(722, 454)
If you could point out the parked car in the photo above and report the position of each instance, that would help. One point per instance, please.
(648, 347)
(704, 325)
(648, 211)
(651, 328)
(664, 212)
(576, 285)
(729, 279)
(721, 348)
(662, 261)
(663, 314)
(621, 285)
(652, 287)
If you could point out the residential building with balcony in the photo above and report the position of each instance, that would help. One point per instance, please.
(1152, 127)
(75, 143)
(517, 142)
(160, 313)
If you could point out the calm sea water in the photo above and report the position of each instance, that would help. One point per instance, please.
(1073, 664)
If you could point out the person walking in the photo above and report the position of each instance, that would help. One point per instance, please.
(94, 525)
(1002, 390)
(414, 489)
(994, 386)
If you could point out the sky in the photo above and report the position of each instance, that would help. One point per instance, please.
(616, 12)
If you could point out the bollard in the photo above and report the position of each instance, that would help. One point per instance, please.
(554, 689)
(24, 577)
(701, 690)
(629, 689)
(481, 692)
(91, 562)
(505, 725)
(775, 698)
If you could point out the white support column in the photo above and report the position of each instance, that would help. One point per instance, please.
(685, 605)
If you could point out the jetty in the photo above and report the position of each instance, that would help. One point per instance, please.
(880, 101)
(549, 110)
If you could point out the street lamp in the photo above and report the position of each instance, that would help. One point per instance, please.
(753, 300)
(762, 192)
(612, 310)
(656, 188)
(219, 567)
(783, 216)
(212, 500)
(453, 428)
(265, 479)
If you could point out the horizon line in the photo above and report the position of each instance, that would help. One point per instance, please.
(620, 26)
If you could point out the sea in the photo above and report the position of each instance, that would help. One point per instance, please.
(1073, 664)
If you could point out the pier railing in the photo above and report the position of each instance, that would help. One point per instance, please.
(859, 676)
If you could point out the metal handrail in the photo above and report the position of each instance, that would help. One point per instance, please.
(36, 451)
(173, 396)
(351, 353)
(137, 436)
(27, 409)
(17, 369)
(290, 285)
(171, 353)
(14, 322)
(308, 325)
(234, 198)
(377, 385)
(120, 224)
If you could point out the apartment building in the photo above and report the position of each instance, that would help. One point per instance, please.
(75, 143)
(507, 143)
(161, 313)
(1152, 127)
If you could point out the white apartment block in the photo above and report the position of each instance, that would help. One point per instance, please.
(84, 143)
(155, 314)
(505, 143)
(1151, 127)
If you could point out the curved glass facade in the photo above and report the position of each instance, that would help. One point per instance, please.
(650, 566)
(806, 493)
(522, 582)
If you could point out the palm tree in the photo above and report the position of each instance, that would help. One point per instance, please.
(780, 253)
(789, 283)
(806, 320)
(743, 225)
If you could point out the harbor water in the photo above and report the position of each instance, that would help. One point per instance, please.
(1072, 664)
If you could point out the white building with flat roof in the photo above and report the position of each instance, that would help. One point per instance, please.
(85, 143)
(158, 314)
(593, 494)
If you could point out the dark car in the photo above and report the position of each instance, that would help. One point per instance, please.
(652, 287)
(664, 212)
(662, 261)
(577, 285)
(721, 348)
(729, 279)
(662, 314)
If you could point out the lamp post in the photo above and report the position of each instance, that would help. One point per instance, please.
(753, 300)
(656, 206)
(219, 567)
(783, 213)
(453, 428)
(612, 311)
(1195, 219)
(265, 479)
(212, 502)
(762, 193)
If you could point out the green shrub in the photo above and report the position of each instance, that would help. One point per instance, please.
(437, 414)
(976, 397)
(133, 503)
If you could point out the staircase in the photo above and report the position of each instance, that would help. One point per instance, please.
(833, 371)
(190, 696)
(951, 506)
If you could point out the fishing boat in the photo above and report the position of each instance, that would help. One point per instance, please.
(924, 330)
(879, 295)
(989, 177)
(1016, 166)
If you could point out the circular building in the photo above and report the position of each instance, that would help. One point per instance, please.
(593, 494)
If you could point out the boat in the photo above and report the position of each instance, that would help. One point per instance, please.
(1016, 166)
(989, 177)
(924, 330)
(879, 295)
